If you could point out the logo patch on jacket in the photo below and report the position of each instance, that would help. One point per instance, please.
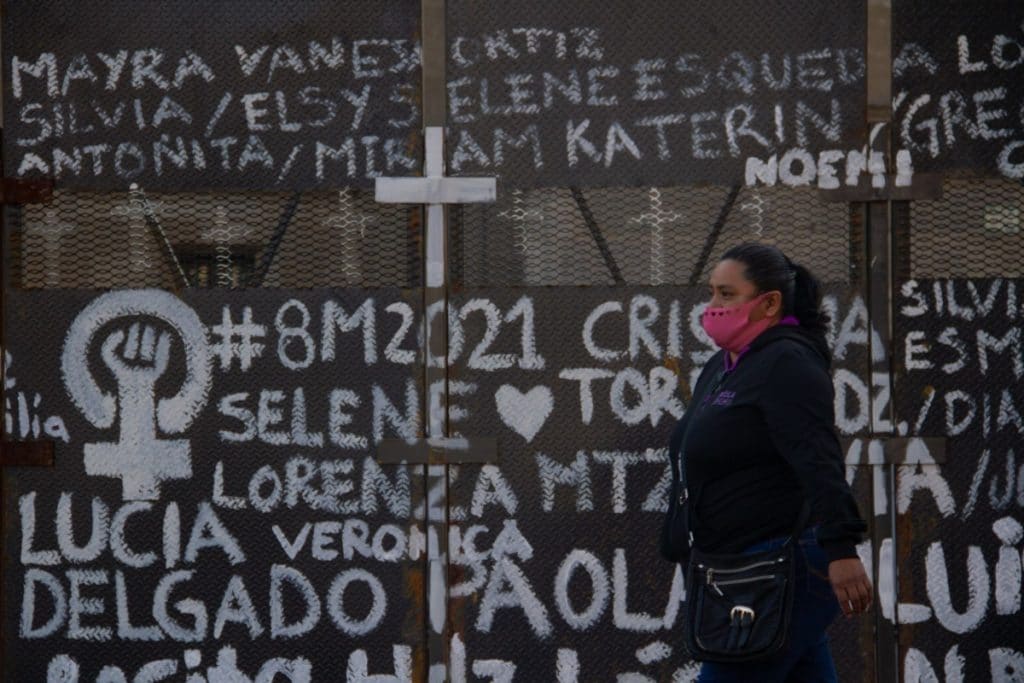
(724, 398)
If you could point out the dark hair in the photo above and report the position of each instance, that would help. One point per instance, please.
(769, 269)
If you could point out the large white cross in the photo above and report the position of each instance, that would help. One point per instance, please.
(435, 190)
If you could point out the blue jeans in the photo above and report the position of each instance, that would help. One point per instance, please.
(806, 655)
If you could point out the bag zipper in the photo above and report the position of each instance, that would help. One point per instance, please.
(754, 565)
(749, 579)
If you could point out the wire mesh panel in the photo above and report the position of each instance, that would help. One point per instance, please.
(226, 240)
(632, 145)
(957, 94)
(643, 235)
(958, 317)
(217, 326)
(973, 231)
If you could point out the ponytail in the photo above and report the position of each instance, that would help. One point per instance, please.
(807, 307)
(806, 302)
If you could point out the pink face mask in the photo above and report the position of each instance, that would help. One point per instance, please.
(731, 328)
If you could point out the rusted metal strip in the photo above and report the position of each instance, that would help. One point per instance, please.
(881, 284)
(435, 54)
(27, 453)
(879, 61)
(880, 311)
(22, 191)
(16, 453)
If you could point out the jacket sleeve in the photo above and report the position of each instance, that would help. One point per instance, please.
(797, 403)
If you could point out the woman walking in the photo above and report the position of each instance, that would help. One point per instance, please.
(757, 453)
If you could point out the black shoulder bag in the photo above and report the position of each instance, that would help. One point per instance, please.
(738, 606)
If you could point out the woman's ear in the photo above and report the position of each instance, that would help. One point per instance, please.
(773, 305)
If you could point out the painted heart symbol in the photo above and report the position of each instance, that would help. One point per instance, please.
(525, 413)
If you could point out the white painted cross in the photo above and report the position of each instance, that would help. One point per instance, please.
(435, 190)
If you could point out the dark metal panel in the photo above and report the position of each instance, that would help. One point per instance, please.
(652, 93)
(278, 448)
(959, 522)
(957, 85)
(184, 95)
(957, 312)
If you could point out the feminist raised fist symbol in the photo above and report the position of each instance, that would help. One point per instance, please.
(138, 356)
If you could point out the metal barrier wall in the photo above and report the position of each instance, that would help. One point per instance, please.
(300, 434)
(958, 360)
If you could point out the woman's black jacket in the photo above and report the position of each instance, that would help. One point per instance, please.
(758, 441)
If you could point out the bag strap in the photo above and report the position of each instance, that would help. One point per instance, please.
(695, 404)
(801, 522)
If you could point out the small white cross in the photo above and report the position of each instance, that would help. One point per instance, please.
(656, 218)
(351, 224)
(435, 190)
(53, 231)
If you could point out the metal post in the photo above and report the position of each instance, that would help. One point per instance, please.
(435, 297)
(436, 192)
(880, 295)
